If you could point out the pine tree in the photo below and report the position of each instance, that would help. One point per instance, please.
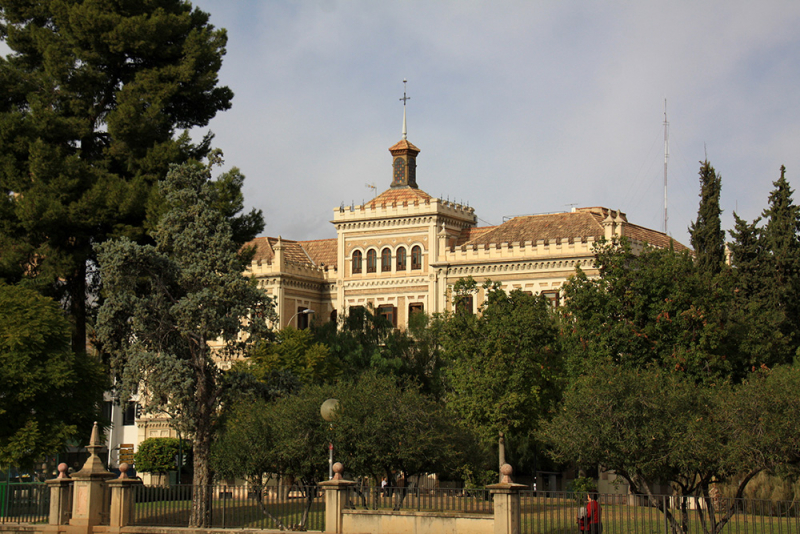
(708, 238)
(92, 97)
(166, 305)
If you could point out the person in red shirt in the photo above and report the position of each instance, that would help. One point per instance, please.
(592, 522)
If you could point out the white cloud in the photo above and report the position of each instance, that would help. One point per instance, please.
(518, 107)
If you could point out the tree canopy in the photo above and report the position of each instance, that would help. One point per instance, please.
(94, 94)
(168, 304)
(48, 392)
(503, 366)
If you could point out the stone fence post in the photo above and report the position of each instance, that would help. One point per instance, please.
(88, 504)
(60, 497)
(335, 499)
(122, 501)
(506, 503)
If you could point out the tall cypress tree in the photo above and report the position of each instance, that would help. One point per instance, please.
(781, 244)
(747, 257)
(708, 238)
(91, 100)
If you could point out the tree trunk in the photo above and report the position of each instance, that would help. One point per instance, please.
(201, 499)
(77, 308)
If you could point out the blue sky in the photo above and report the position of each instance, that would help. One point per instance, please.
(517, 107)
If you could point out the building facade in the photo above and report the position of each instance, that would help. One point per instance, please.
(402, 251)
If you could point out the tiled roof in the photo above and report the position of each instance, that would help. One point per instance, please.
(398, 196)
(576, 225)
(403, 145)
(322, 251)
(318, 252)
(471, 233)
(652, 237)
(264, 252)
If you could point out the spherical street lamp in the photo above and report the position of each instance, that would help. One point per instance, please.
(328, 412)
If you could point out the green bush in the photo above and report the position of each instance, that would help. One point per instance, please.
(157, 455)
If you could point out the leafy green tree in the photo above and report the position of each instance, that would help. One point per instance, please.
(504, 366)
(647, 425)
(94, 93)
(654, 307)
(157, 455)
(49, 394)
(651, 425)
(294, 351)
(708, 239)
(167, 304)
(381, 428)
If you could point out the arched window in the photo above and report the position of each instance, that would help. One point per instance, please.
(386, 260)
(356, 262)
(372, 260)
(416, 257)
(401, 259)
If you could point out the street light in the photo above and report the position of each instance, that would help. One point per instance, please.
(307, 311)
(328, 413)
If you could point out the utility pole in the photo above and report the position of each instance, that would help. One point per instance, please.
(666, 158)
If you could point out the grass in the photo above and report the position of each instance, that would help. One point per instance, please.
(540, 516)
(233, 513)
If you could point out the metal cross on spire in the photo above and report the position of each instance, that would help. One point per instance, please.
(404, 99)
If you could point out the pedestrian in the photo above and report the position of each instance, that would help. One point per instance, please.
(593, 521)
(384, 489)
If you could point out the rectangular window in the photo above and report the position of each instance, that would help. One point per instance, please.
(415, 308)
(129, 414)
(388, 312)
(302, 318)
(464, 304)
(553, 295)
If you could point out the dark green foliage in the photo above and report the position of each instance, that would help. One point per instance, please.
(651, 425)
(382, 428)
(781, 238)
(93, 95)
(653, 308)
(49, 394)
(708, 239)
(766, 263)
(167, 304)
(157, 455)
(504, 367)
(295, 352)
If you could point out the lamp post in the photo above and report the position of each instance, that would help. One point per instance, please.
(307, 311)
(328, 412)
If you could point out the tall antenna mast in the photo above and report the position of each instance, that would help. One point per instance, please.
(666, 158)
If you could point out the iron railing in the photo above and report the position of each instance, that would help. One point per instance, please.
(557, 513)
(24, 503)
(477, 500)
(232, 507)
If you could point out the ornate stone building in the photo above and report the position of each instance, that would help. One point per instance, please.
(402, 252)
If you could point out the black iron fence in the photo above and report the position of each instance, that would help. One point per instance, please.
(296, 508)
(557, 513)
(477, 500)
(24, 503)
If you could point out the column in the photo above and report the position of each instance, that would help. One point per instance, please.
(335, 499)
(122, 498)
(506, 503)
(60, 497)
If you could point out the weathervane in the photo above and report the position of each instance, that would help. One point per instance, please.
(404, 99)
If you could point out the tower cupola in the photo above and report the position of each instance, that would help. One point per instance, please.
(404, 155)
